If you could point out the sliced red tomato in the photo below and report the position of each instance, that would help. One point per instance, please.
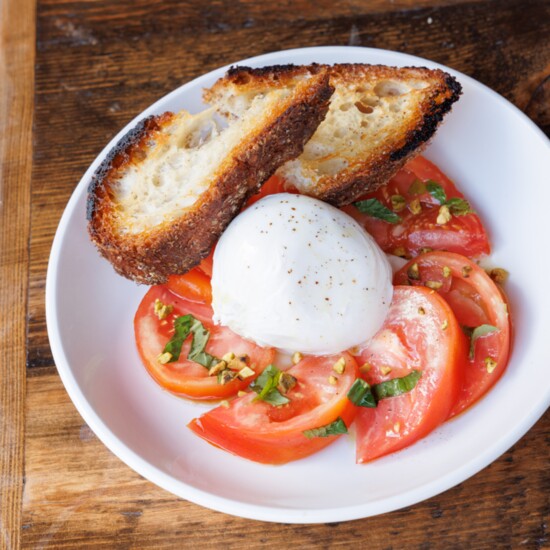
(206, 265)
(275, 184)
(419, 333)
(419, 211)
(194, 286)
(186, 377)
(475, 300)
(259, 431)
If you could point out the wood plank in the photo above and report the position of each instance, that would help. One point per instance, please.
(124, 67)
(16, 111)
(79, 494)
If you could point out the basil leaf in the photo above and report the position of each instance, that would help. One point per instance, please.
(334, 428)
(183, 326)
(479, 332)
(200, 339)
(266, 387)
(375, 209)
(436, 191)
(360, 394)
(396, 386)
(459, 207)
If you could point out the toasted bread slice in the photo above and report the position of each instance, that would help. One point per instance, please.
(165, 193)
(379, 118)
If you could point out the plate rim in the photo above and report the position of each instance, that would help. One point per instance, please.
(210, 500)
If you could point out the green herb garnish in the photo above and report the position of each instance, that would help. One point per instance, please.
(436, 191)
(266, 387)
(360, 394)
(396, 386)
(334, 428)
(375, 209)
(475, 333)
(457, 206)
(183, 326)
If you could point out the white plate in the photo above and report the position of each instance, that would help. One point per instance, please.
(502, 162)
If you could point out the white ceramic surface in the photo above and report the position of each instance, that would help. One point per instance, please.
(500, 160)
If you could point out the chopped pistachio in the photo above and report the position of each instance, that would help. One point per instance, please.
(332, 380)
(434, 285)
(417, 187)
(226, 376)
(245, 372)
(164, 358)
(490, 364)
(445, 324)
(498, 275)
(162, 310)
(415, 207)
(398, 202)
(286, 382)
(241, 393)
(426, 249)
(224, 404)
(444, 215)
(339, 366)
(217, 368)
(413, 272)
(400, 251)
(446, 271)
(397, 427)
(384, 369)
(237, 364)
(229, 356)
(421, 311)
(296, 357)
(365, 367)
(466, 271)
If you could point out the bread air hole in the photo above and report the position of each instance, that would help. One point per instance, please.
(362, 108)
(391, 88)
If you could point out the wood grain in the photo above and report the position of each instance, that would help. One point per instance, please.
(79, 494)
(16, 109)
(99, 64)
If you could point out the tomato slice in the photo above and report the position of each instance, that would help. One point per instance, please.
(419, 333)
(475, 300)
(265, 433)
(194, 286)
(275, 184)
(184, 377)
(418, 228)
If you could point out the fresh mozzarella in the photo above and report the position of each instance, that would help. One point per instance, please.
(297, 274)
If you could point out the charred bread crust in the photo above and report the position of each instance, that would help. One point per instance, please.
(348, 185)
(177, 246)
(344, 188)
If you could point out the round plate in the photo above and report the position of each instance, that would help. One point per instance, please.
(501, 161)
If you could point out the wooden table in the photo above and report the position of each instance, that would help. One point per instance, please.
(95, 66)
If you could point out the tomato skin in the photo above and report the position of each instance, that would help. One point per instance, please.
(475, 300)
(193, 286)
(462, 234)
(206, 265)
(275, 184)
(274, 435)
(183, 377)
(420, 332)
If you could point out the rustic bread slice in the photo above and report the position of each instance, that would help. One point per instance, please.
(165, 193)
(379, 117)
